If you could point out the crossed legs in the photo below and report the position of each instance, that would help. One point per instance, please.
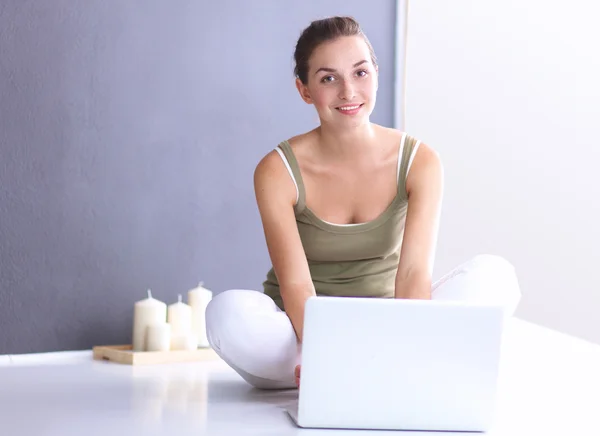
(256, 338)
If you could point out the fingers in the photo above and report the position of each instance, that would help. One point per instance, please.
(297, 375)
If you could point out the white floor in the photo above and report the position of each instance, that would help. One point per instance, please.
(550, 384)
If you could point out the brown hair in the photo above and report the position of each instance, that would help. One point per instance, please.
(321, 31)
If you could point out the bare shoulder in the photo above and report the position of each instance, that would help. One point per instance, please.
(269, 167)
(297, 143)
(426, 155)
(426, 168)
(426, 159)
(271, 176)
(272, 180)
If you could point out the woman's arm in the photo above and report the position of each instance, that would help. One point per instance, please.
(275, 196)
(425, 190)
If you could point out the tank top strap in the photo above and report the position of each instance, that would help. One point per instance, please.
(408, 149)
(294, 168)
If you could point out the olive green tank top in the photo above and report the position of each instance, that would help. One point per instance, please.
(351, 260)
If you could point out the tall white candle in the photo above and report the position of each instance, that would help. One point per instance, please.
(179, 315)
(146, 312)
(158, 337)
(198, 299)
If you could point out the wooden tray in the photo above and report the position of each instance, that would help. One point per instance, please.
(123, 354)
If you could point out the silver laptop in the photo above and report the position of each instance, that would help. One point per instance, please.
(392, 364)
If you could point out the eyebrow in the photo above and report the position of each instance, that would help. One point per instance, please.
(332, 70)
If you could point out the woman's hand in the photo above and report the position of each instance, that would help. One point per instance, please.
(297, 375)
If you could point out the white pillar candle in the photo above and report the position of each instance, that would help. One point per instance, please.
(198, 299)
(158, 337)
(146, 312)
(179, 315)
(187, 341)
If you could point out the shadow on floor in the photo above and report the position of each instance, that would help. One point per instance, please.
(271, 396)
(228, 391)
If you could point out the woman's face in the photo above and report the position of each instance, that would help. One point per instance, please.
(342, 81)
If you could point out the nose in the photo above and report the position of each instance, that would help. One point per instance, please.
(346, 91)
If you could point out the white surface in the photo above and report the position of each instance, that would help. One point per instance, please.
(508, 92)
(440, 376)
(549, 385)
(61, 358)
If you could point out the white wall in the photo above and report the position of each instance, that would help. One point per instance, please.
(508, 93)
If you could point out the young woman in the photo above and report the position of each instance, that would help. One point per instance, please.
(350, 208)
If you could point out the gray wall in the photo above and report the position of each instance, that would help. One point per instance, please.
(129, 132)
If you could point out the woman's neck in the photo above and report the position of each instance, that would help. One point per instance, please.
(346, 143)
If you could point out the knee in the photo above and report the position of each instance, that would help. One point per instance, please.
(491, 262)
(247, 329)
(238, 318)
(227, 313)
(501, 279)
(223, 305)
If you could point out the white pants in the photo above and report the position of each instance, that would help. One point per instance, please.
(256, 338)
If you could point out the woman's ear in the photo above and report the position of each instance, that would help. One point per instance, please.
(303, 90)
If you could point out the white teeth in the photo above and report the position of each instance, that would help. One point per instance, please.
(349, 108)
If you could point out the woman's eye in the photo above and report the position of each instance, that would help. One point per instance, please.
(362, 73)
(327, 79)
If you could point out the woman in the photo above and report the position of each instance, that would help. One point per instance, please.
(350, 208)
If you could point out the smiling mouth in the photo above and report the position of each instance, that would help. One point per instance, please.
(350, 109)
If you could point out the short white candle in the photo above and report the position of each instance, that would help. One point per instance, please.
(146, 312)
(158, 337)
(188, 342)
(198, 299)
(179, 315)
